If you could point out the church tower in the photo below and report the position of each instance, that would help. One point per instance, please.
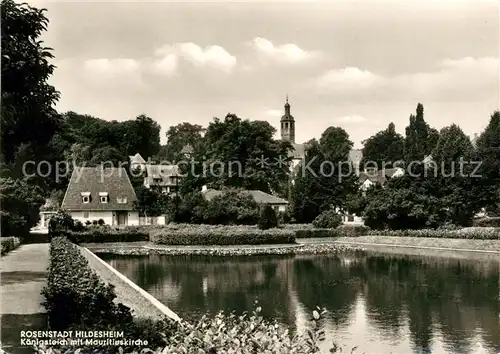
(288, 125)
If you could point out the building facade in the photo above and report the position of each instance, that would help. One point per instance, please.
(95, 194)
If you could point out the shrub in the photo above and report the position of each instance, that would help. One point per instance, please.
(480, 233)
(9, 243)
(487, 222)
(328, 219)
(219, 235)
(315, 233)
(341, 231)
(99, 234)
(350, 230)
(228, 333)
(60, 223)
(20, 207)
(75, 297)
(284, 217)
(267, 218)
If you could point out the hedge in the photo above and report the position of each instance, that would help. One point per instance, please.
(341, 231)
(480, 233)
(9, 243)
(220, 235)
(487, 222)
(105, 234)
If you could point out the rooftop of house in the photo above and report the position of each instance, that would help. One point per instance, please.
(136, 159)
(380, 176)
(259, 196)
(162, 175)
(96, 182)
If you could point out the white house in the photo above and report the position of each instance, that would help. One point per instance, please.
(165, 177)
(137, 161)
(95, 193)
(278, 204)
(368, 179)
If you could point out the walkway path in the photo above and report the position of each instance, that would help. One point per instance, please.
(23, 275)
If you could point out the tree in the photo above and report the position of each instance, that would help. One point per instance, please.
(268, 218)
(453, 144)
(179, 136)
(420, 139)
(385, 147)
(243, 154)
(326, 178)
(151, 202)
(21, 204)
(27, 98)
(143, 137)
(488, 154)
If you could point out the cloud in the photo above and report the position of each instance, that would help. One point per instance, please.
(112, 71)
(166, 65)
(213, 56)
(455, 79)
(290, 53)
(274, 112)
(351, 77)
(351, 119)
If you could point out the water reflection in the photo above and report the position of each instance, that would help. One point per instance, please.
(381, 303)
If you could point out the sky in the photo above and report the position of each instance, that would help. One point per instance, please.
(355, 64)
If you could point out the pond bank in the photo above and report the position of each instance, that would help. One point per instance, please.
(391, 244)
(142, 304)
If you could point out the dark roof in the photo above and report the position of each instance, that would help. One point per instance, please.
(259, 196)
(95, 180)
(161, 175)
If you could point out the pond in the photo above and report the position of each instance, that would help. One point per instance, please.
(379, 302)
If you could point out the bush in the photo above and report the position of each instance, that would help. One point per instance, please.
(9, 243)
(267, 218)
(487, 222)
(284, 217)
(479, 233)
(315, 233)
(75, 297)
(228, 333)
(99, 234)
(219, 235)
(20, 207)
(328, 219)
(60, 223)
(341, 231)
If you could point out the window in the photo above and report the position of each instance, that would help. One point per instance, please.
(86, 214)
(104, 197)
(122, 200)
(85, 197)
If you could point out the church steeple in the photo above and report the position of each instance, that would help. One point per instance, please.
(287, 124)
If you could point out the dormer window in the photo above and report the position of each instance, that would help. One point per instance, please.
(122, 200)
(104, 197)
(85, 197)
